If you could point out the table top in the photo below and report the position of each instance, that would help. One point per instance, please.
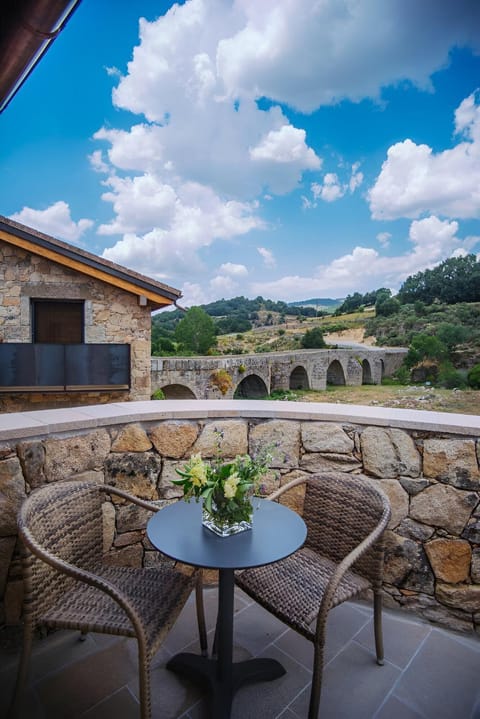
(177, 531)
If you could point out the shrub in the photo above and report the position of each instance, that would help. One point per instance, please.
(221, 379)
(313, 339)
(473, 377)
(450, 377)
(402, 375)
(158, 394)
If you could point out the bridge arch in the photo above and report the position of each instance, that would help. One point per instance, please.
(299, 378)
(367, 377)
(178, 391)
(335, 373)
(251, 387)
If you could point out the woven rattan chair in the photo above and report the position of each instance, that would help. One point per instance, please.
(342, 557)
(68, 585)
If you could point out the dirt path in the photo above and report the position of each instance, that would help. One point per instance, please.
(356, 335)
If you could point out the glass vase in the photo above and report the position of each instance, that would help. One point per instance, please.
(218, 520)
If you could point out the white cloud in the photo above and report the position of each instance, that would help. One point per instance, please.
(365, 268)
(173, 80)
(356, 178)
(332, 188)
(140, 204)
(193, 294)
(286, 145)
(175, 225)
(229, 268)
(188, 172)
(307, 53)
(268, 257)
(141, 148)
(54, 220)
(384, 238)
(415, 180)
(97, 162)
(222, 286)
(467, 117)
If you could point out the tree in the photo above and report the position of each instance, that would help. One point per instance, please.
(425, 347)
(196, 331)
(313, 339)
(387, 306)
(452, 335)
(454, 280)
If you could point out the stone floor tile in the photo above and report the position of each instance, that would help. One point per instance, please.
(442, 681)
(343, 623)
(394, 708)
(172, 695)
(57, 650)
(255, 629)
(71, 691)
(354, 686)
(297, 647)
(120, 705)
(402, 636)
(269, 699)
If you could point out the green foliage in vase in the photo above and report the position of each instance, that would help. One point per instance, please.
(224, 486)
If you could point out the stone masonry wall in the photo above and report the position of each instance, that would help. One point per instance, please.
(111, 316)
(432, 480)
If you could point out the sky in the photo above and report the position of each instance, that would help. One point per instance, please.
(285, 148)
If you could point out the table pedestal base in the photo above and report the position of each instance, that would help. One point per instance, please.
(202, 670)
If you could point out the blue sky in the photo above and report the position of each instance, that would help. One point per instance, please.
(288, 148)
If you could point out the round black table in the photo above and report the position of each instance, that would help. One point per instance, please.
(177, 532)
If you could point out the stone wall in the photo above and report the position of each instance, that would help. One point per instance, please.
(430, 473)
(275, 370)
(111, 316)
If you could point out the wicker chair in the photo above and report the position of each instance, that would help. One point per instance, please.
(68, 586)
(342, 557)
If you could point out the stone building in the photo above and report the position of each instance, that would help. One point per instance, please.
(75, 329)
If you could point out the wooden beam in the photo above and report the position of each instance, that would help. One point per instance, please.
(79, 266)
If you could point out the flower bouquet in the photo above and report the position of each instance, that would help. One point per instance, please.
(226, 488)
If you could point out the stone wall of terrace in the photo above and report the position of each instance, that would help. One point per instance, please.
(427, 463)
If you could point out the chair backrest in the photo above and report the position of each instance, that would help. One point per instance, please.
(340, 511)
(63, 519)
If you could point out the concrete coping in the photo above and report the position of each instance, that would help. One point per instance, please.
(21, 425)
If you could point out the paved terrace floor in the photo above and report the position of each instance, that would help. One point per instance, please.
(429, 673)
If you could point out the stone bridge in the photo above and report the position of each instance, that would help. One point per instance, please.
(257, 375)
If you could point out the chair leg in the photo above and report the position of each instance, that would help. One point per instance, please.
(202, 630)
(316, 681)
(377, 624)
(144, 683)
(22, 672)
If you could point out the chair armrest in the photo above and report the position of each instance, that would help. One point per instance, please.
(82, 575)
(347, 562)
(108, 489)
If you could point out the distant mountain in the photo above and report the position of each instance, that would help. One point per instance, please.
(317, 302)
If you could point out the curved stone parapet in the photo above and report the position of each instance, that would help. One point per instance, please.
(426, 462)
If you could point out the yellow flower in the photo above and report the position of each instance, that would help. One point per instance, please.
(197, 472)
(230, 487)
